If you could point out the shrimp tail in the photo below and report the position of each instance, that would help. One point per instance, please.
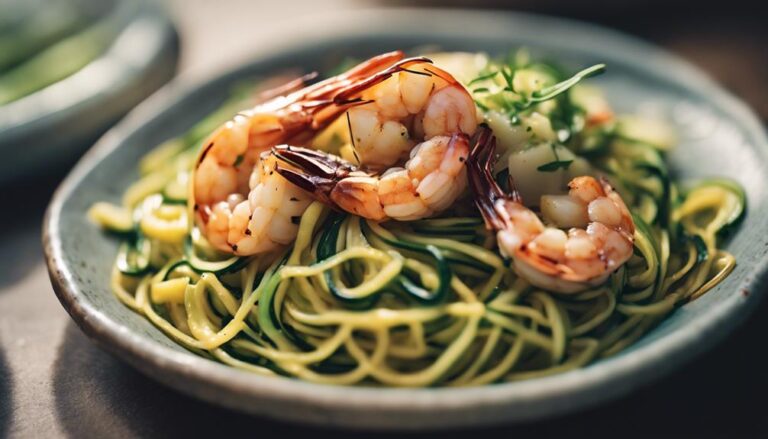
(488, 193)
(314, 171)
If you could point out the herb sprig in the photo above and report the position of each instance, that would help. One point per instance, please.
(513, 103)
(553, 91)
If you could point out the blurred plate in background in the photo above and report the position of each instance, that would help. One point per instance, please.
(69, 69)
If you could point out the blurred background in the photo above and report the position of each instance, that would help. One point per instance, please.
(729, 40)
(45, 41)
(69, 69)
(74, 67)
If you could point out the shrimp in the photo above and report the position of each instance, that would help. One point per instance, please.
(429, 182)
(599, 240)
(411, 110)
(230, 180)
(264, 221)
(401, 106)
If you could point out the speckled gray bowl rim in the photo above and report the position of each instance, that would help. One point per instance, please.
(388, 408)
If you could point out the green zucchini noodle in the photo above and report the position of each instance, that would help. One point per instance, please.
(430, 302)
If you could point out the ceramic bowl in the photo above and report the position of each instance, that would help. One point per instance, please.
(57, 123)
(719, 136)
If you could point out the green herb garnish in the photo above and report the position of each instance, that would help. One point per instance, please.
(512, 103)
(553, 91)
(483, 77)
(556, 164)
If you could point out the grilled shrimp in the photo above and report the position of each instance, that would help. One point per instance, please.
(229, 184)
(600, 232)
(412, 110)
(429, 182)
(401, 106)
(267, 219)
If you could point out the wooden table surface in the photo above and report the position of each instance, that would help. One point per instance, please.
(55, 382)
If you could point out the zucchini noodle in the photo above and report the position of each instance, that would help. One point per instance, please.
(430, 302)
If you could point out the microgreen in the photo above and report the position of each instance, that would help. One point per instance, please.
(555, 164)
